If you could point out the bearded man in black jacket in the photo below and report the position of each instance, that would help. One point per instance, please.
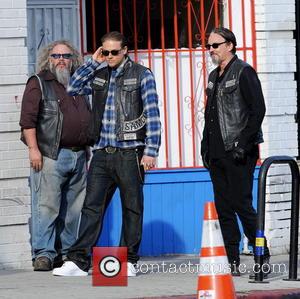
(233, 117)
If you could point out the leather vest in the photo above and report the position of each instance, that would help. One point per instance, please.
(130, 119)
(232, 110)
(50, 119)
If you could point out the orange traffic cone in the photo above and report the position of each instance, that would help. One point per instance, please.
(214, 277)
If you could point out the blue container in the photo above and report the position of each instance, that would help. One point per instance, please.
(173, 212)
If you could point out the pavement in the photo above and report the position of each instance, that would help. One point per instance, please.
(161, 277)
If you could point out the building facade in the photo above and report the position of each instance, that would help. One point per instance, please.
(168, 39)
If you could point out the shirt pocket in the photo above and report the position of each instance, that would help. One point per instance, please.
(97, 87)
(230, 89)
(230, 98)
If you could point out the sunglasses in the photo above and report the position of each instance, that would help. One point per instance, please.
(113, 52)
(214, 45)
(64, 56)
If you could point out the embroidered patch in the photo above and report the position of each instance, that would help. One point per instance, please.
(230, 83)
(135, 124)
(99, 81)
(210, 85)
(129, 136)
(130, 81)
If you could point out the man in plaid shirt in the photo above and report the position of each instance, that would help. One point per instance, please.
(126, 131)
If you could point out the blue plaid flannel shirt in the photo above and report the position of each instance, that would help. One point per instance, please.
(80, 83)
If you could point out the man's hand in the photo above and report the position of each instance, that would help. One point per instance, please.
(239, 155)
(205, 159)
(98, 55)
(148, 162)
(35, 158)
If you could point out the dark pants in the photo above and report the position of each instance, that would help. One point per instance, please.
(232, 183)
(107, 172)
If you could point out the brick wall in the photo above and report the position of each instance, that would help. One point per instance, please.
(14, 191)
(276, 53)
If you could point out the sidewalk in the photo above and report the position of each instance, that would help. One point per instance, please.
(162, 283)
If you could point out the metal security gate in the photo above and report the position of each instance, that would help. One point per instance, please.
(49, 20)
(168, 36)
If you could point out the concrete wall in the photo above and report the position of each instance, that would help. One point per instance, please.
(14, 192)
(276, 55)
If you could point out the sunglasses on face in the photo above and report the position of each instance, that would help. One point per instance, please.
(64, 56)
(214, 45)
(112, 52)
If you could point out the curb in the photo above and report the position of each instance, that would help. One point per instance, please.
(271, 294)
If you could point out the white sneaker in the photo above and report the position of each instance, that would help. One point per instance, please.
(131, 270)
(69, 269)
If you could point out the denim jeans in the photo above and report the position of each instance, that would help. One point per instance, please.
(107, 171)
(57, 195)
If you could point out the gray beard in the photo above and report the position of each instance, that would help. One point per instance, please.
(215, 60)
(62, 75)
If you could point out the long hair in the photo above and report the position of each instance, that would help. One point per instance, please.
(43, 56)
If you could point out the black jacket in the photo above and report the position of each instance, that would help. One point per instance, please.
(239, 122)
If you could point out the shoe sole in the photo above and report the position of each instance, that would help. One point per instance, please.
(42, 270)
(55, 273)
(74, 275)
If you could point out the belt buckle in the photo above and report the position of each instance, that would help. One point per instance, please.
(110, 149)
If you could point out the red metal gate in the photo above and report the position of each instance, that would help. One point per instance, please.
(169, 38)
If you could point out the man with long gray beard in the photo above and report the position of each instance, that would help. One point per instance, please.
(55, 128)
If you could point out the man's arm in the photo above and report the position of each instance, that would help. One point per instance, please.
(80, 82)
(153, 125)
(28, 121)
(252, 94)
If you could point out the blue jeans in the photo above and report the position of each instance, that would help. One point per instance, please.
(57, 195)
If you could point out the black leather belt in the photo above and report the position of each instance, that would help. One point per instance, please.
(112, 149)
(74, 148)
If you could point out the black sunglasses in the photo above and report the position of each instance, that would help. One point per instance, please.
(64, 56)
(113, 52)
(214, 45)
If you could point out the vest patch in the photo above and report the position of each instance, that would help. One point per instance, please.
(130, 81)
(135, 124)
(99, 81)
(210, 85)
(129, 136)
(230, 83)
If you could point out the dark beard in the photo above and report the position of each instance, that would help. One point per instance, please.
(61, 75)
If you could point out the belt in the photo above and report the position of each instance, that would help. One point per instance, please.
(112, 150)
(74, 148)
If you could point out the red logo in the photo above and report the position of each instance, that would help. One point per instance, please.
(110, 266)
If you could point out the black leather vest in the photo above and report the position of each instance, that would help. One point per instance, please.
(50, 119)
(130, 119)
(232, 109)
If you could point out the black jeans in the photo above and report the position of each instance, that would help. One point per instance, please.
(232, 184)
(107, 172)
